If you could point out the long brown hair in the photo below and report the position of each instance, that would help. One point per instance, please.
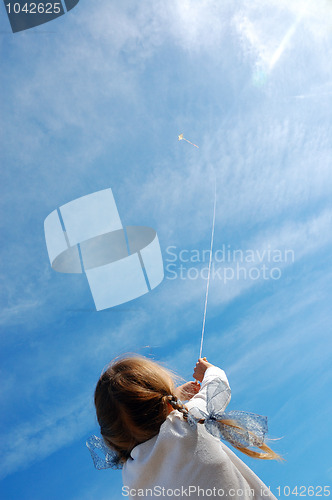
(132, 399)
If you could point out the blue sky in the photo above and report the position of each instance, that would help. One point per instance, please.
(96, 99)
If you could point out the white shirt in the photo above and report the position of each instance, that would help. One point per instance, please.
(186, 462)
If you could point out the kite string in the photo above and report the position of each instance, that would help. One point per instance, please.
(210, 261)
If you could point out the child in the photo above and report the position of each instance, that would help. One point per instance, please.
(174, 450)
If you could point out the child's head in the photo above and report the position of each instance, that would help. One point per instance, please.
(131, 400)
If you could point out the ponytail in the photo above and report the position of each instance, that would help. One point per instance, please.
(132, 399)
(266, 454)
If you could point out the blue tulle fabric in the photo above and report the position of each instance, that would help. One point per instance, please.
(103, 457)
(252, 427)
(249, 431)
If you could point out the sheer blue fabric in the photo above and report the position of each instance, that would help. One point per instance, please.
(252, 427)
(103, 457)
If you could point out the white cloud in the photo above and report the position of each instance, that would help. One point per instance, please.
(273, 175)
(38, 439)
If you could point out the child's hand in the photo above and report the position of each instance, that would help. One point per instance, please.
(200, 368)
(187, 390)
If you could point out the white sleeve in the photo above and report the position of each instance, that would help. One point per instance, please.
(199, 400)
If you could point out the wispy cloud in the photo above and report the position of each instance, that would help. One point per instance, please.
(38, 439)
(99, 106)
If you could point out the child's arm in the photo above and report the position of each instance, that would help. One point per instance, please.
(201, 366)
(187, 390)
(205, 372)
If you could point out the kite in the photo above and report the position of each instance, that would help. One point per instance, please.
(86, 236)
(181, 138)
